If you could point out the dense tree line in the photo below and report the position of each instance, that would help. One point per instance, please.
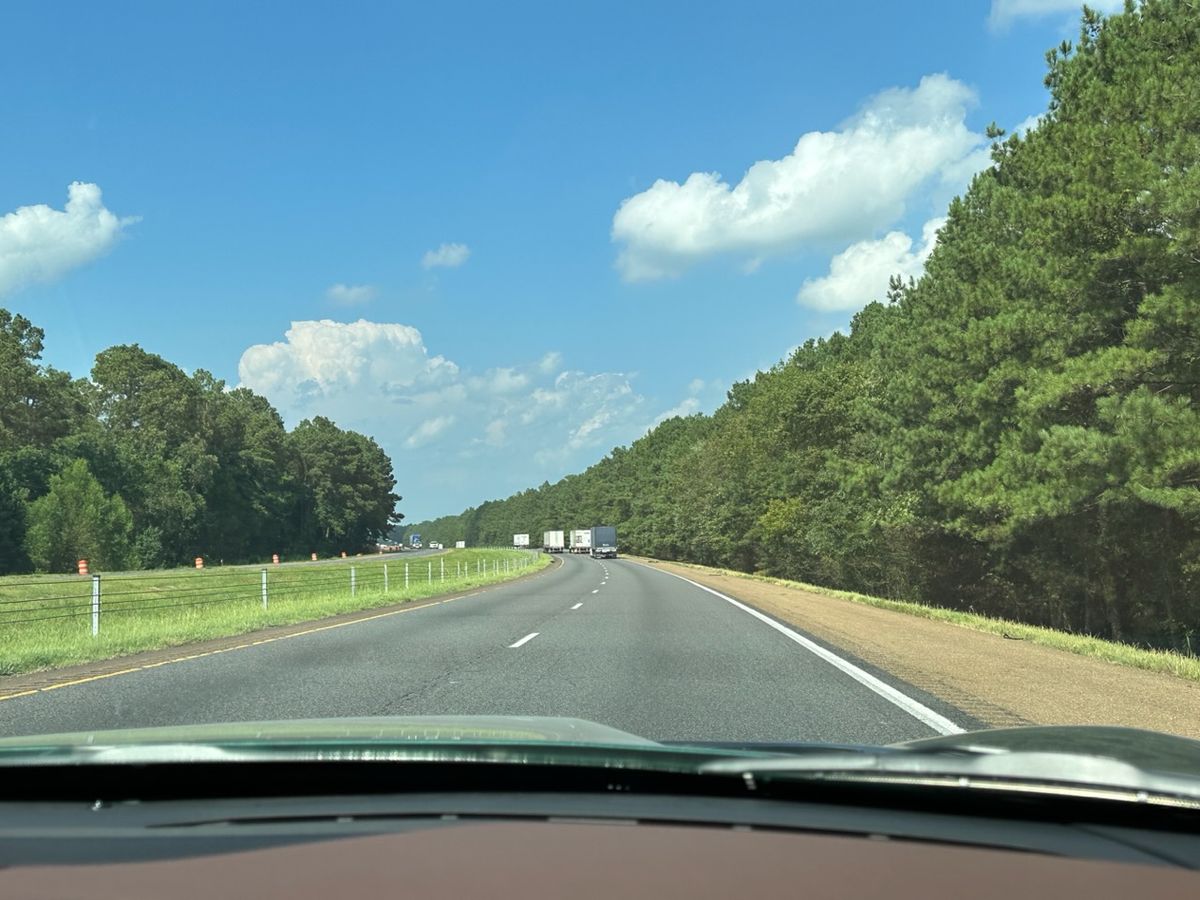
(1016, 433)
(142, 465)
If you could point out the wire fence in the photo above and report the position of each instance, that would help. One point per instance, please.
(30, 602)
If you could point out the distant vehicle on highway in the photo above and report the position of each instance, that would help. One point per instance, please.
(520, 542)
(553, 541)
(581, 540)
(604, 542)
(435, 545)
(460, 545)
(414, 541)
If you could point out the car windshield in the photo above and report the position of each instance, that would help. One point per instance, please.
(776, 376)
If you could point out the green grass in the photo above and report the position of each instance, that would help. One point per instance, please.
(1164, 661)
(164, 608)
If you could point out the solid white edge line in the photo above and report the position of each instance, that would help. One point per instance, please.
(577, 605)
(525, 640)
(914, 708)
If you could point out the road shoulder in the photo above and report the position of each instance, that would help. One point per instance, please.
(999, 681)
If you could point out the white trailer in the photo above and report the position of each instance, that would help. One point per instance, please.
(581, 540)
(520, 542)
(460, 545)
(553, 541)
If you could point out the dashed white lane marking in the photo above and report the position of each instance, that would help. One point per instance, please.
(525, 640)
(914, 708)
(577, 605)
(596, 591)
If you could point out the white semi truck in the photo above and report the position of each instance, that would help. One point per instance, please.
(520, 542)
(553, 541)
(581, 540)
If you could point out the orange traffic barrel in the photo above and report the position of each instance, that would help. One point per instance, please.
(83, 569)
(199, 562)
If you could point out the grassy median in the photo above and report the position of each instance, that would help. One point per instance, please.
(46, 622)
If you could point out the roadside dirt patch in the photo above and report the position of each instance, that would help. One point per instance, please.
(998, 681)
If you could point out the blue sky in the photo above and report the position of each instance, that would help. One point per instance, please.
(501, 238)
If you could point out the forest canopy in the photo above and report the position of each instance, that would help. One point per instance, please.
(142, 465)
(1017, 432)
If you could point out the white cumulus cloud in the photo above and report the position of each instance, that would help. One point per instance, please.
(456, 436)
(496, 432)
(859, 274)
(39, 243)
(1005, 12)
(506, 380)
(447, 256)
(427, 431)
(321, 365)
(843, 184)
(351, 294)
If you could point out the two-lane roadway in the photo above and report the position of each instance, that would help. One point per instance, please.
(612, 641)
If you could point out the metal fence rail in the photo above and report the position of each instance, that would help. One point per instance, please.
(96, 596)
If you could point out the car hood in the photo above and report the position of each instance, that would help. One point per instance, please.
(1120, 756)
(1147, 750)
(382, 729)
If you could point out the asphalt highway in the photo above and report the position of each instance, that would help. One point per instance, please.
(612, 641)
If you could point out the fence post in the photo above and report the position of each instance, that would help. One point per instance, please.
(352, 581)
(95, 605)
(443, 564)
(385, 583)
(264, 588)
(406, 576)
(430, 579)
(457, 567)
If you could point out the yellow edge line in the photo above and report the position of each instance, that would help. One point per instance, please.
(167, 662)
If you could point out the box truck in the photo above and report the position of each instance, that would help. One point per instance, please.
(553, 542)
(604, 542)
(581, 540)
